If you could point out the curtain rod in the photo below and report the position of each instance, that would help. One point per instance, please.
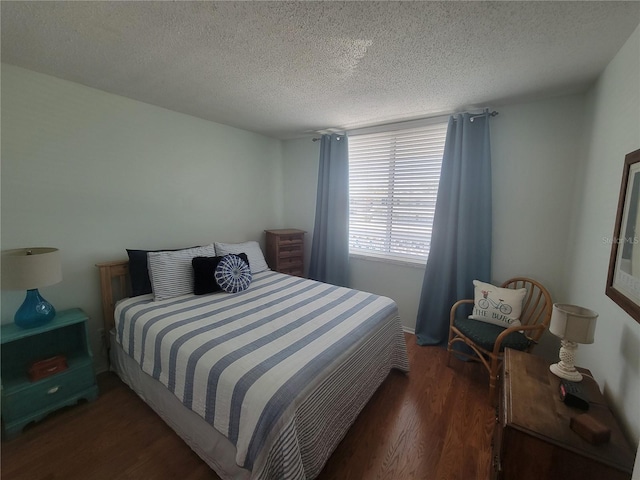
(486, 112)
(315, 139)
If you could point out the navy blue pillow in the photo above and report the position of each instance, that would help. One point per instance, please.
(204, 268)
(139, 270)
(233, 274)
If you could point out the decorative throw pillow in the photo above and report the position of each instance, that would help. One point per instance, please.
(499, 306)
(233, 274)
(204, 273)
(139, 270)
(257, 262)
(171, 272)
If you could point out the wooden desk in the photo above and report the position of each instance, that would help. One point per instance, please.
(532, 438)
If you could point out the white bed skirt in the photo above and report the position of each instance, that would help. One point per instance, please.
(210, 445)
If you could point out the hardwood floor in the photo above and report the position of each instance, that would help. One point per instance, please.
(434, 423)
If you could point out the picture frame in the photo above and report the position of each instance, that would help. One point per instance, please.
(623, 278)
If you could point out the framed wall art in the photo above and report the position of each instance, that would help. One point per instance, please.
(623, 279)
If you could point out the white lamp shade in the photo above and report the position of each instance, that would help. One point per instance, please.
(573, 323)
(29, 268)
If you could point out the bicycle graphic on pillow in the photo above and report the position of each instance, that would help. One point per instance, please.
(484, 303)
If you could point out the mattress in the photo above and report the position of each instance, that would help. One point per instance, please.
(280, 370)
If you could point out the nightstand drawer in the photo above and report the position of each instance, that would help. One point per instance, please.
(43, 393)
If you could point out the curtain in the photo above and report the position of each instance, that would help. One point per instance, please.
(460, 249)
(330, 247)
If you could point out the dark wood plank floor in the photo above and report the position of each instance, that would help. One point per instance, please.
(434, 423)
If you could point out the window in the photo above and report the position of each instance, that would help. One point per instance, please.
(393, 185)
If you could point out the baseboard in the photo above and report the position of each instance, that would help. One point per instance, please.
(412, 331)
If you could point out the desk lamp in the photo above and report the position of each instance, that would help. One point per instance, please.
(573, 325)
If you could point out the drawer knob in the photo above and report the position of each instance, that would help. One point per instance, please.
(53, 390)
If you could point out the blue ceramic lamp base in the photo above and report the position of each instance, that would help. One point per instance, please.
(34, 311)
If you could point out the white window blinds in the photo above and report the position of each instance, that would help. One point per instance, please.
(393, 184)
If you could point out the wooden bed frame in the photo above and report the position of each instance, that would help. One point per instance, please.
(114, 285)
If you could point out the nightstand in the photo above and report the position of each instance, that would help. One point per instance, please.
(25, 401)
(285, 251)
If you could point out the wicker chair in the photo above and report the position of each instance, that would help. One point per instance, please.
(489, 341)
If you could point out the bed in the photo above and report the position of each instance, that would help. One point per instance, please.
(261, 384)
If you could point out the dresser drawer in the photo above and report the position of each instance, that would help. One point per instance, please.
(290, 262)
(291, 250)
(44, 393)
(290, 239)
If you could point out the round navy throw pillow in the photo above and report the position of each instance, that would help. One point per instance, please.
(233, 274)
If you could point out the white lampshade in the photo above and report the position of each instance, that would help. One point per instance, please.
(29, 268)
(573, 323)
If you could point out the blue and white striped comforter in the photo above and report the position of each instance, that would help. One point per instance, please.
(264, 366)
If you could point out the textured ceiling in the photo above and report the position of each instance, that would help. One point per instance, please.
(285, 69)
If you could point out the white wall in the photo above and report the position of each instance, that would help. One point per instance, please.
(613, 130)
(93, 174)
(300, 180)
(535, 153)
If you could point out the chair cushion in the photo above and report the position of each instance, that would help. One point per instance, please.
(485, 334)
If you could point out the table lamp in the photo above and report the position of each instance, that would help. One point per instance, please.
(29, 269)
(573, 325)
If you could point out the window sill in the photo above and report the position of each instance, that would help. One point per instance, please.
(395, 261)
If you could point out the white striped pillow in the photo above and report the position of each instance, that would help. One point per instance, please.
(171, 273)
(257, 262)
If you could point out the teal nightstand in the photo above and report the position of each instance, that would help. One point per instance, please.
(24, 401)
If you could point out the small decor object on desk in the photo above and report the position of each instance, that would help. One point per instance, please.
(590, 429)
(572, 395)
(573, 325)
(45, 368)
(30, 269)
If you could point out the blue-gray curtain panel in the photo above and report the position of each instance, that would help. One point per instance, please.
(330, 248)
(460, 249)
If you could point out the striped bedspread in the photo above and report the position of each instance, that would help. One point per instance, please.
(281, 369)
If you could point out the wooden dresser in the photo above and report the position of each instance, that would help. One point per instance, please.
(285, 251)
(532, 438)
